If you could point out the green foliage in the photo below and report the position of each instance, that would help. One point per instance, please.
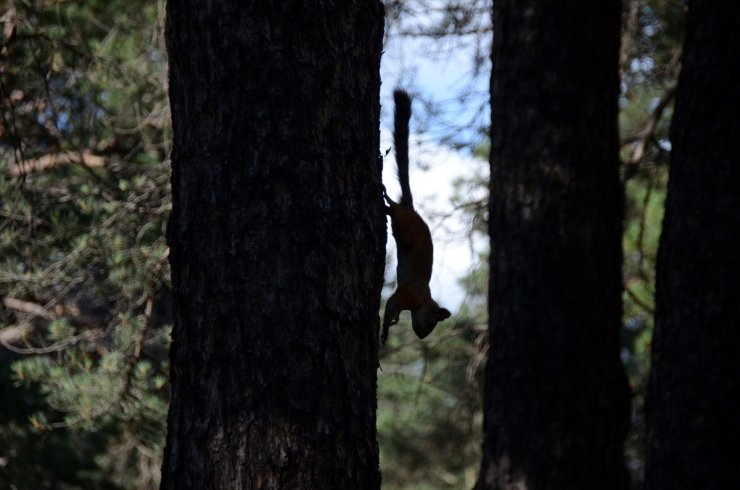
(83, 272)
(644, 213)
(429, 406)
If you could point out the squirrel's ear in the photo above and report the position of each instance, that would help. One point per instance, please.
(443, 314)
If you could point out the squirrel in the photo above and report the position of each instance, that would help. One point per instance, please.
(413, 241)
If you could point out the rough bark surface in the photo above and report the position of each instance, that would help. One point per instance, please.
(556, 396)
(693, 404)
(277, 239)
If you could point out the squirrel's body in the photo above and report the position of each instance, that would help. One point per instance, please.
(413, 241)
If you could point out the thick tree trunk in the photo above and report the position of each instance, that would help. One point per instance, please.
(278, 244)
(694, 390)
(556, 396)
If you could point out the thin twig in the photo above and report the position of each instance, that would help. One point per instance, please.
(646, 135)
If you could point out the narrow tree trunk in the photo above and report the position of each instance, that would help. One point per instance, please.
(556, 396)
(694, 390)
(278, 238)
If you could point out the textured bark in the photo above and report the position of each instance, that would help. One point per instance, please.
(556, 396)
(694, 390)
(277, 239)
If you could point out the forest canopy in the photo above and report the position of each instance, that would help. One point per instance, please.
(86, 313)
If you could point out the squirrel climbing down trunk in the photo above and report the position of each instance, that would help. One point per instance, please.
(413, 241)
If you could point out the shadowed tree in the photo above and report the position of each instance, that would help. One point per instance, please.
(694, 388)
(277, 239)
(556, 396)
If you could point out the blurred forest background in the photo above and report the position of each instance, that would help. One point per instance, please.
(84, 179)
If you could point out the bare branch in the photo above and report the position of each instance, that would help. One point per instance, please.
(646, 135)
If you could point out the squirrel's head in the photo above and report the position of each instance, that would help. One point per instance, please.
(424, 319)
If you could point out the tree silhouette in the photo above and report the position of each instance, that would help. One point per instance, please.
(693, 397)
(278, 236)
(556, 396)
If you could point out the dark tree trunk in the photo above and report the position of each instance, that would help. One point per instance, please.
(556, 396)
(694, 390)
(278, 244)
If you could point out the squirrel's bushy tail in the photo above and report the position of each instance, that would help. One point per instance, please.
(401, 118)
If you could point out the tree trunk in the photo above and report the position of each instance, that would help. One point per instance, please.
(556, 396)
(277, 239)
(694, 389)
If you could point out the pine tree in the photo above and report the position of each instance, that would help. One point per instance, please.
(556, 395)
(693, 396)
(277, 235)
